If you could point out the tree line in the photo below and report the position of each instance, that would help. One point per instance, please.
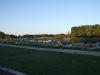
(6, 36)
(83, 31)
(86, 31)
(10, 36)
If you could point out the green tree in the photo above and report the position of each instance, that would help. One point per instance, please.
(13, 36)
(2, 35)
(7, 36)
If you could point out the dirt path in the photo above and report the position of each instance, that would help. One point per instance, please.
(57, 50)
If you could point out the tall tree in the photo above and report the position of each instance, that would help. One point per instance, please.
(85, 31)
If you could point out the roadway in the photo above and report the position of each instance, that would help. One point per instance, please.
(57, 50)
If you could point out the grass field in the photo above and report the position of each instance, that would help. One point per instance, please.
(35, 62)
(2, 73)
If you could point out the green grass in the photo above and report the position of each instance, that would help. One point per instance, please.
(35, 62)
(2, 73)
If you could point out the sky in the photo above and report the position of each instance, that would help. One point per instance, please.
(21, 17)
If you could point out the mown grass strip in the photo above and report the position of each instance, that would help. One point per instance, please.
(2, 72)
(35, 62)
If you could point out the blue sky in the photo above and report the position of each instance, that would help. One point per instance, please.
(21, 17)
